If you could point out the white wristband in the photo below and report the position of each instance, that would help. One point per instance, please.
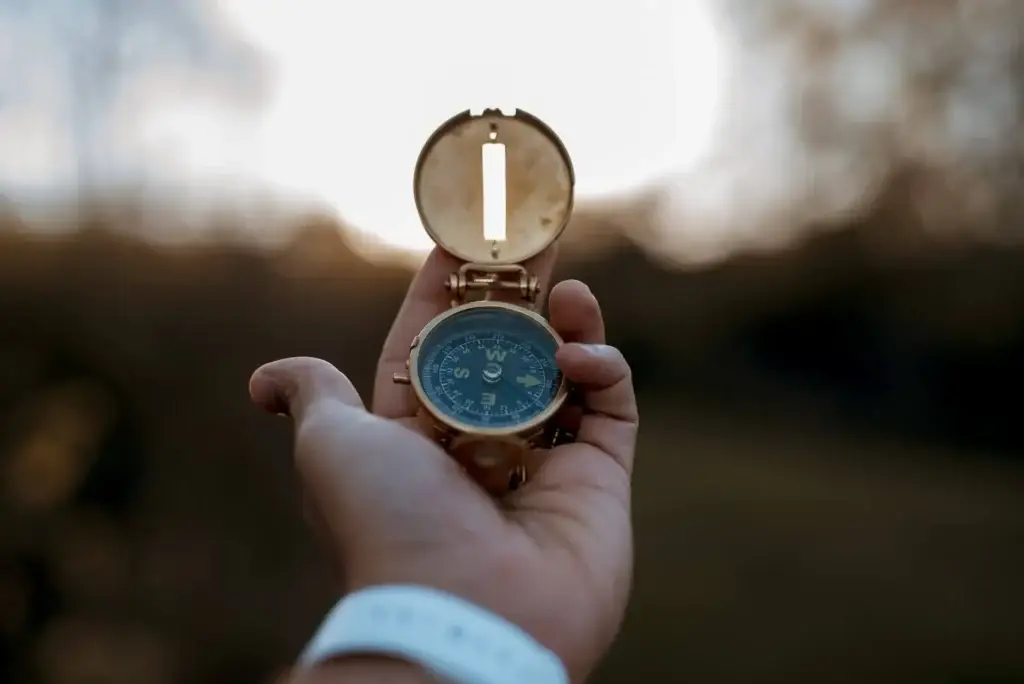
(451, 638)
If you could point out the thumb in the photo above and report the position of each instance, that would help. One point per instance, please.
(290, 387)
(364, 474)
(610, 420)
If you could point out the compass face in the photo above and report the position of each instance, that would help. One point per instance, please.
(489, 367)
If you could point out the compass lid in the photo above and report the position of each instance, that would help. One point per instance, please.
(452, 196)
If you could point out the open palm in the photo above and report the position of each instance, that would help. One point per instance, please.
(555, 557)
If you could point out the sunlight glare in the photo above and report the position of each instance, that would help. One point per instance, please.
(495, 205)
(632, 90)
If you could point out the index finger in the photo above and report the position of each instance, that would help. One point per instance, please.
(427, 298)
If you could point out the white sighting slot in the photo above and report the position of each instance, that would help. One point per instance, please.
(495, 211)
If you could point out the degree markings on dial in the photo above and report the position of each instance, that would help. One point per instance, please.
(509, 347)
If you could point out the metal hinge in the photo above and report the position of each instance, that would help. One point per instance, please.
(492, 278)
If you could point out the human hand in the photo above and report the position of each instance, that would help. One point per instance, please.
(554, 557)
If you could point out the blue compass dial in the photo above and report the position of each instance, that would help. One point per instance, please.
(489, 367)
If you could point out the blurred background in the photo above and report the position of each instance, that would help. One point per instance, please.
(803, 219)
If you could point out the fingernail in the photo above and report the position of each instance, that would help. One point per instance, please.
(281, 403)
(267, 393)
(600, 351)
(277, 401)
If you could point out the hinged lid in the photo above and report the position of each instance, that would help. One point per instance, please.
(534, 202)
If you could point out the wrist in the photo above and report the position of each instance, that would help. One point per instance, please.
(365, 670)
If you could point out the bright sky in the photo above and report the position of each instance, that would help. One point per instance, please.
(207, 105)
(631, 88)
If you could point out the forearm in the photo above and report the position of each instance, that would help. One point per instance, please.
(363, 670)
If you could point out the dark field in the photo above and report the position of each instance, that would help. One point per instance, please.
(829, 484)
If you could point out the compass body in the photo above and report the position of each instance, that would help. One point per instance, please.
(492, 190)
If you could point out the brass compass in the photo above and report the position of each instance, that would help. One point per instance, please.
(492, 190)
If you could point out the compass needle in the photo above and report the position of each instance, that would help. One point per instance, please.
(527, 381)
